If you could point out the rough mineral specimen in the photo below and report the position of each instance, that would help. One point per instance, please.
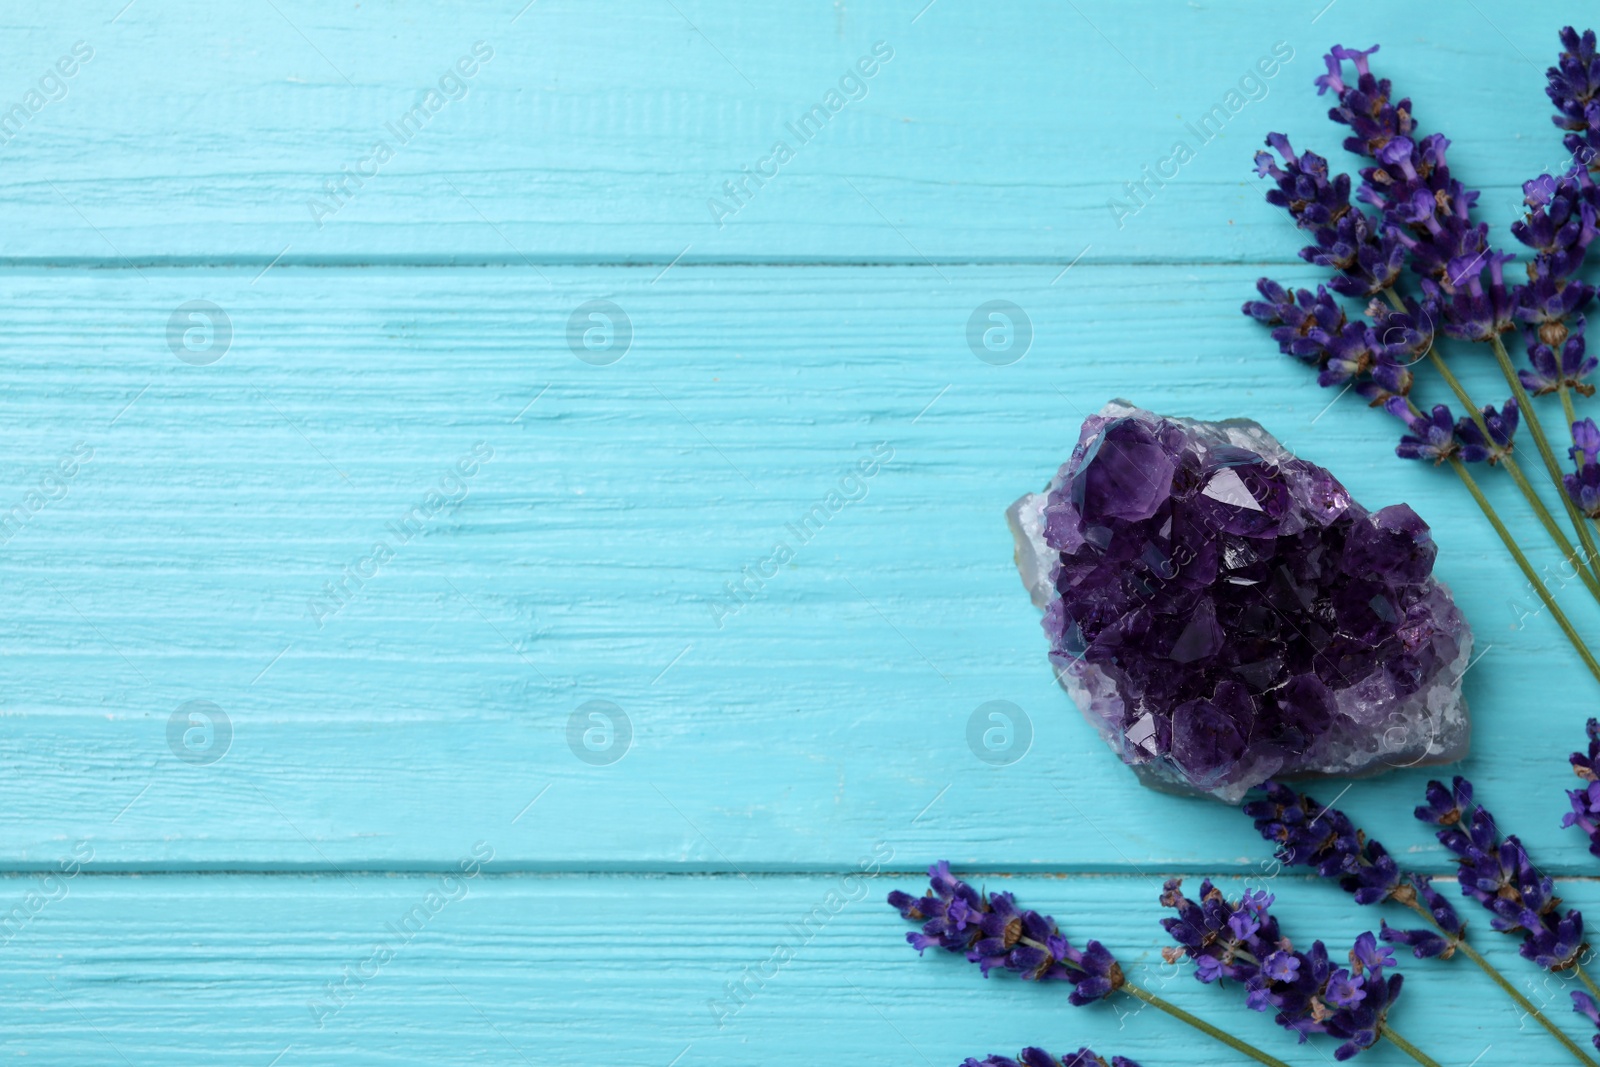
(1224, 613)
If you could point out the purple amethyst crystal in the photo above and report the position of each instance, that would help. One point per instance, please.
(1225, 613)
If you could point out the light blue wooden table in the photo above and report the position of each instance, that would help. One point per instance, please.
(304, 296)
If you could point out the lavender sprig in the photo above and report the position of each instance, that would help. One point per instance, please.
(1038, 1057)
(1241, 941)
(1430, 212)
(1306, 834)
(1497, 873)
(1367, 255)
(1424, 221)
(989, 930)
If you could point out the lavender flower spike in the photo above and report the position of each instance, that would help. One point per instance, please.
(1498, 874)
(1367, 258)
(1324, 839)
(1241, 941)
(1585, 813)
(992, 931)
(1038, 1057)
(1574, 87)
(1583, 486)
(1560, 226)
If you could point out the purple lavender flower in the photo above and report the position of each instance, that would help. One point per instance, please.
(1473, 310)
(1560, 226)
(1552, 370)
(1498, 874)
(1038, 1057)
(1425, 943)
(1475, 447)
(1574, 87)
(1364, 107)
(1423, 208)
(1431, 436)
(1306, 834)
(992, 932)
(1368, 259)
(1425, 219)
(1314, 329)
(1584, 1005)
(1585, 813)
(1303, 320)
(1226, 941)
(1583, 486)
(1241, 941)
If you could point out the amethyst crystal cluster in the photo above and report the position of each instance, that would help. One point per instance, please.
(1225, 613)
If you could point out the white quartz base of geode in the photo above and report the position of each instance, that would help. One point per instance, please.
(1374, 732)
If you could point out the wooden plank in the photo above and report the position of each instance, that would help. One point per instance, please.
(604, 131)
(710, 971)
(588, 559)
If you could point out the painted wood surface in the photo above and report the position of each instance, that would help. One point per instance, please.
(601, 131)
(590, 557)
(401, 489)
(196, 969)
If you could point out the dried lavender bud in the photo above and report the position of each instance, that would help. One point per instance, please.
(992, 931)
(1498, 874)
(1473, 310)
(1225, 940)
(1303, 320)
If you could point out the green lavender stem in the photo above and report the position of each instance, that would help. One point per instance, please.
(1527, 568)
(1205, 1027)
(1590, 574)
(1593, 989)
(1504, 983)
(1531, 417)
(1547, 520)
(1407, 1047)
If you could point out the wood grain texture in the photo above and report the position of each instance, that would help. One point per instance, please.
(642, 969)
(600, 131)
(383, 340)
(589, 560)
